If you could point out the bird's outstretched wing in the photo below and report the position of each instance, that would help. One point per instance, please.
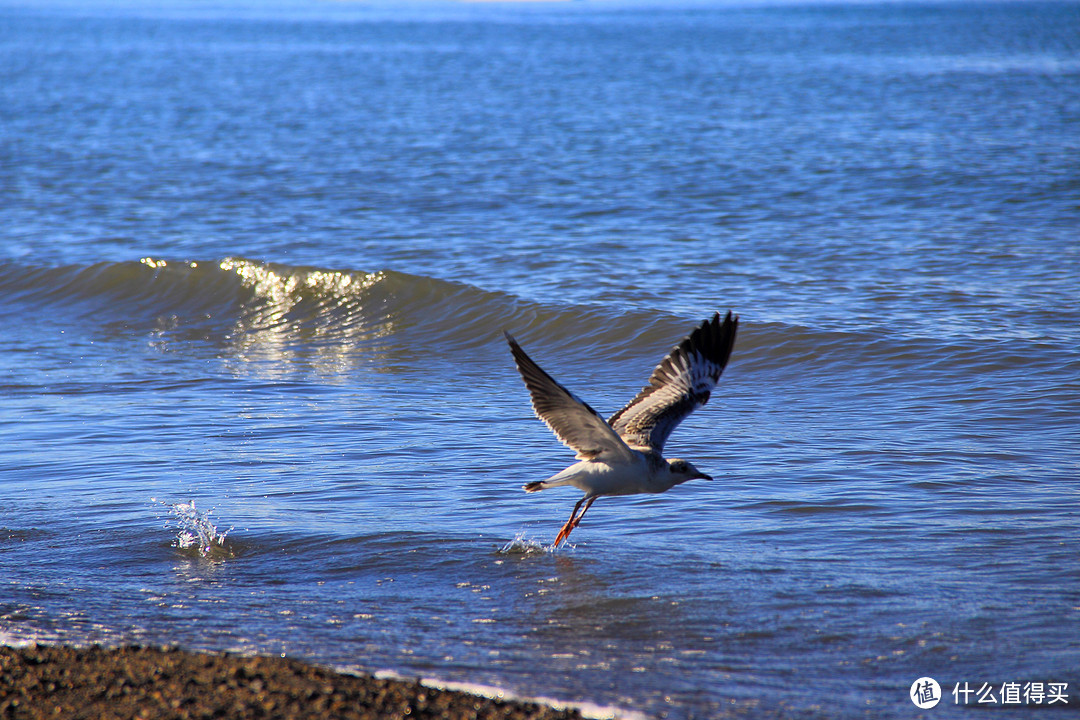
(575, 423)
(680, 384)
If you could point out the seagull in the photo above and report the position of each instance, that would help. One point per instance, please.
(622, 455)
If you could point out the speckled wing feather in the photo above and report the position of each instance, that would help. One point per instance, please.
(575, 423)
(680, 384)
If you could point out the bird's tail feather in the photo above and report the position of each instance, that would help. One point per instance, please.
(563, 477)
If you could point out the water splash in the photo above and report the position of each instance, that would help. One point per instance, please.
(524, 545)
(196, 534)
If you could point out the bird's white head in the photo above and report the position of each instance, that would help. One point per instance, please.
(681, 471)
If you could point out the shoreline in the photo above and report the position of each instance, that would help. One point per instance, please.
(129, 682)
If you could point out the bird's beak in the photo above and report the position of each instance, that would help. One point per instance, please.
(702, 476)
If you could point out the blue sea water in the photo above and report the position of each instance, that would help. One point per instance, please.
(256, 261)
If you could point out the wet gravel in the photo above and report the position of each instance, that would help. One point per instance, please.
(140, 682)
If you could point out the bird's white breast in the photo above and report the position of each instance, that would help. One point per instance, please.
(599, 478)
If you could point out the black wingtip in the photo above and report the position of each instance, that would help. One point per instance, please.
(714, 339)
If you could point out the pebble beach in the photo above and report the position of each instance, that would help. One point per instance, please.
(140, 682)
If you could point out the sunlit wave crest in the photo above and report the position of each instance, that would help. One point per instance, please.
(273, 318)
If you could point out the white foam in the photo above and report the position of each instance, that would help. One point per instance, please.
(21, 640)
(491, 692)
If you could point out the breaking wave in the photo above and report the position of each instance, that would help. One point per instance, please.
(270, 312)
(239, 304)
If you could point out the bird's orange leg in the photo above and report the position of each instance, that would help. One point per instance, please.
(563, 533)
(574, 520)
(569, 524)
